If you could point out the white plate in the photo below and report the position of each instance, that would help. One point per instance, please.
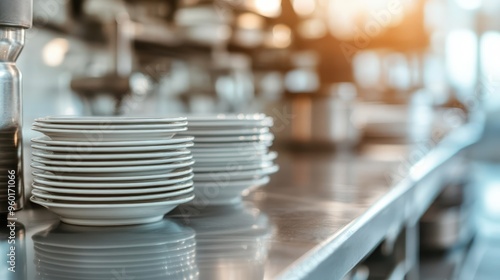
(266, 137)
(168, 188)
(107, 135)
(108, 171)
(220, 193)
(108, 120)
(88, 145)
(236, 159)
(108, 126)
(229, 167)
(113, 198)
(228, 147)
(117, 179)
(126, 156)
(121, 185)
(208, 153)
(250, 174)
(93, 214)
(121, 150)
(230, 120)
(216, 132)
(113, 163)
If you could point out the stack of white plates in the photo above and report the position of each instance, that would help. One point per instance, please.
(111, 171)
(232, 156)
(161, 250)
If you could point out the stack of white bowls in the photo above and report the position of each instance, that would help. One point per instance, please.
(162, 250)
(111, 171)
(232, 156)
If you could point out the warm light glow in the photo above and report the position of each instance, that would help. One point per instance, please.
(364, 18)
(268, 8)
(304, 8)
(54, 52)
(281, 36)
(250, 21)
(312, 29)
(469, 4)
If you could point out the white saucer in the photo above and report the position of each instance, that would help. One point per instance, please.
(93, 214)
(115, 171)
(236, 159)
(126, 156)
(230, 120)
(221, 193)
(101, 191)
(90, 145)
(266, 137)
(62, 183)
(109, 120)
(121, 150)
(113, 163)
(227, 147)
(229, 132)
(107, 135)
(113, 198)
(250, 174)
(117, 179)
(231, 167)
(109, 126)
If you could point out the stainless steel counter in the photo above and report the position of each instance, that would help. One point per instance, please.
(320, 215)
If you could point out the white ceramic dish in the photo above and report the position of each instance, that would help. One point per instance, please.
(228, 167)
(236, 175)
(113, 198)
(235, 160)
(101, 191)
(88, 145)
(207, 153)
(229, 147)
(107, 135)
(110, 126)
(230, 120)
(113, 163)
(126, 156)
(221, 193)
(233, 132)
(109, 120)
(224, 139)
(93, 214)
(62, 183)
(117, 179)
(121, 150)
(115, 171)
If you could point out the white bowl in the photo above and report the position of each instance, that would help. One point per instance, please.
(93, 214)
(225, 192)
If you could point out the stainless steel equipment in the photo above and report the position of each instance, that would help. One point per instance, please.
(15, 17)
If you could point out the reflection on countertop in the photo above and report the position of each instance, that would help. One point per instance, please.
(155, 251)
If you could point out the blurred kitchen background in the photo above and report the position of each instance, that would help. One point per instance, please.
(333, 73)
